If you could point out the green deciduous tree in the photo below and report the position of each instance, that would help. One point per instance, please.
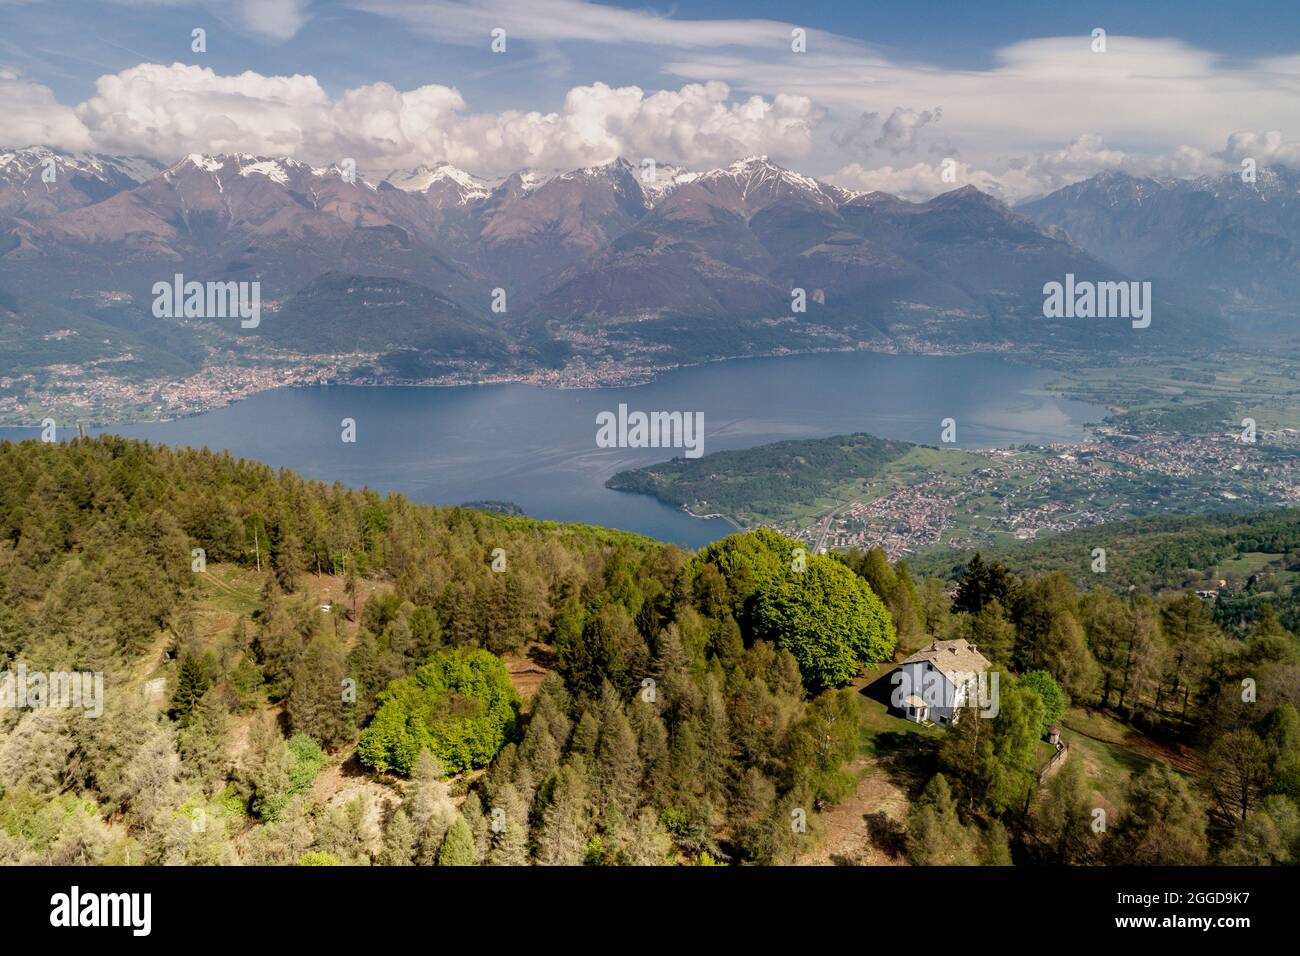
(1050, 693)
(828, 618)
(460, 706)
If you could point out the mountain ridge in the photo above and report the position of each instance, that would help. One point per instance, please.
(1233, 243)
(608, 258)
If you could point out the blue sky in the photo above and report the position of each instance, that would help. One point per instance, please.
(1011, 92)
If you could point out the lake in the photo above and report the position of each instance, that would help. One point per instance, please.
(537, 447)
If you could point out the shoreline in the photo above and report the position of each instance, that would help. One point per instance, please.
(632, 377)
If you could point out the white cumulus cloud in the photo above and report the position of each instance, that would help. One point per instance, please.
(30, 115)
(170, 111)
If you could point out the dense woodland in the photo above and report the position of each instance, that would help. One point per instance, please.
(764, 480)
(1172, 552)
(695, 708)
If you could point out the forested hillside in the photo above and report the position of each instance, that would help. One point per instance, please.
(302, 673)
(659, 730)
(764, 480)
(1247, 560)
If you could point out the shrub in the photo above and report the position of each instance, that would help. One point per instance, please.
(1054, 700)
(318, 858)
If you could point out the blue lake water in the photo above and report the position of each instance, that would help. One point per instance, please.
(537, 448)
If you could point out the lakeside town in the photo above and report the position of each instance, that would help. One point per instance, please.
(1030, 491)
(92, 394)
(105, 391)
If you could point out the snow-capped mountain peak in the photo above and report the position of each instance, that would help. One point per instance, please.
(756, 176)
(38, 180)
(97, 165)
(448, 184)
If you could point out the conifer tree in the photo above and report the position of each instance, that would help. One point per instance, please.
(566, 819)
(191, 684)
(652, 747)
(458, 846)
(316, 706)
(618, 765)
(472, 811)
(648, 842)
(753, 817)
(508, 824)
(935, 834)
(586, 734)
(399, 841)
(202, 741)
(151, 775)
(429, 805)
(715, 744)
(267, 765)
(1062, 819)
(1164, 824)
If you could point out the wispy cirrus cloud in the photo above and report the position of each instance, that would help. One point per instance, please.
(1041, 92)
(277, 20)
(471, 21)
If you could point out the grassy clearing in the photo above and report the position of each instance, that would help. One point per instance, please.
(1261, 383)
(230, 588)
(1244, 565)
(883, 734)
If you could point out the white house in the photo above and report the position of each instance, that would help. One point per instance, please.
(935, 683)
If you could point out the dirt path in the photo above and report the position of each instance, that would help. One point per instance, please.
(528, 667)
(867, 828)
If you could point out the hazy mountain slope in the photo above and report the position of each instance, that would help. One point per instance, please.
(240, 217)
(733, 244)
(35, 335)
(339, 312)
(689, 265)
(1235, 244)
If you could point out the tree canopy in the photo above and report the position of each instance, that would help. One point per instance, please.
(460, 706)
(828, 618)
